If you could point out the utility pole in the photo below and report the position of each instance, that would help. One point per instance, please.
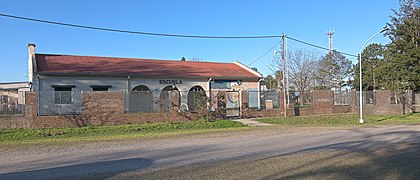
(283, 68)
(287, 75)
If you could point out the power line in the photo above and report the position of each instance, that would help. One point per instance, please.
(320, 47)
(139, 32)
(308, 55)
(10, 67)
(264, 53)
(165, 34)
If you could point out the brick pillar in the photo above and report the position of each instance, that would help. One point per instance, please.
(323, 101)
(244, 105)
(174, 100)
(31, 107)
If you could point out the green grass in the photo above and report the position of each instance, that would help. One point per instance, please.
(343, 119)
(92, 133)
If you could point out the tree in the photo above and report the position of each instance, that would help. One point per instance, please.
(183, 59)
(403, 67)
(197, 59)
(270, 82)
(276, 68)
(301, 69)
(332, 70)
(373, 58)
(255, 69)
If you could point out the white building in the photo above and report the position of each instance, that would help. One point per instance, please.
(59, 78)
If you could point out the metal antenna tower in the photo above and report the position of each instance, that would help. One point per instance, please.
(330, 35)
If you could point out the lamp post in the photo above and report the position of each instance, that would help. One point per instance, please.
(361, 121)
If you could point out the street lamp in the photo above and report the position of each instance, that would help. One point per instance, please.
(361, 121)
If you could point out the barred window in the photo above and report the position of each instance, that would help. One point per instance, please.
(63, 94)
(342, 98)
(100, 87)
(370, 97)
(394, 98)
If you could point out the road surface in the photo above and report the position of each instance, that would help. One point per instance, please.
(272, 152)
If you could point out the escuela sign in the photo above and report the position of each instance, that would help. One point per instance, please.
(170, 82)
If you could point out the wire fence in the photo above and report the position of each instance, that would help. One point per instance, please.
(301, 99)
(164, 101)
(59, 103)
(342, 98)
(230, 102)
(369, 97)
(11, 103)
(270, 99)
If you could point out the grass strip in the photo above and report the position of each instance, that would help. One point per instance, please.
(92, 133)
(343, 119)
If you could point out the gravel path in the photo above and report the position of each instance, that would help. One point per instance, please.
(186, 157)
(252, 122)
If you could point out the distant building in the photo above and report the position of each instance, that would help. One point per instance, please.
(12, 97)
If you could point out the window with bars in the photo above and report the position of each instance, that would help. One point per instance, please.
(100, 87)
(370, 97)
(394, 98)
(63, 95)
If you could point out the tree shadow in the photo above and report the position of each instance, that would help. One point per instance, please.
(103, 167)
(381, 156)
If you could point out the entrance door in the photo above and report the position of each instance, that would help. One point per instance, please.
(232, 104)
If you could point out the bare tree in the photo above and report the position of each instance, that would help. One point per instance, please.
(277, 73)
(196, 59)
(300, 67)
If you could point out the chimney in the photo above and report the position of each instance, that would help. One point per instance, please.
(31, 63)
(31, 48)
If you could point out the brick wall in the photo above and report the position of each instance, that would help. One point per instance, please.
(247, 112)
(99, 108)
(107, 108)
(383, 104)
(8, 122)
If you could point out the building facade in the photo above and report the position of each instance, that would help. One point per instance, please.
(60, 79)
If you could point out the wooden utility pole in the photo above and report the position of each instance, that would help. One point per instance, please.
(283, 72)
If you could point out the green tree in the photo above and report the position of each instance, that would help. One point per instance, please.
(255, 69)
(183, 59)
(270, 82)
(403, 68)
(332, 70)
(373, 58)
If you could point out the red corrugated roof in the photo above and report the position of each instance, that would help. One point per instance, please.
(70, 64)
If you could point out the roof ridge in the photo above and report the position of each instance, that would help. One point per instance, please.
(147, 59)
(56, 63)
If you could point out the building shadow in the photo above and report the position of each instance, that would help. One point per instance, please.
(96, 170)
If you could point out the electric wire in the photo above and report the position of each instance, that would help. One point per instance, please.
(320, 47)
(264, 53)
(10, 67)
(139, 32)
(305, 53)
(167, 34)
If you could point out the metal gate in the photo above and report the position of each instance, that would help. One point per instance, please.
(416, 101)
(233, 104)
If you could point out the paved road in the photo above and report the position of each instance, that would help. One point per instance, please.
(275, 148)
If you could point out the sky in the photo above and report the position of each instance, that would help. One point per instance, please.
(353, 21)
